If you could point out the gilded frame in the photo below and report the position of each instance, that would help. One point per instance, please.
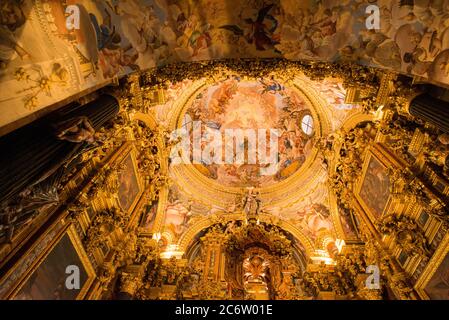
(122, 155)
(159, 217)
(431, 268)
(372, 153)
(70, 231)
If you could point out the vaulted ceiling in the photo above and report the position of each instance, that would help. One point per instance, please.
(43, 62)
(301, 112)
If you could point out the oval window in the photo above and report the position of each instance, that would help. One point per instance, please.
(307, 124)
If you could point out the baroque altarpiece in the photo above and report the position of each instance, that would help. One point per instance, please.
(360, 191)
(224, 149)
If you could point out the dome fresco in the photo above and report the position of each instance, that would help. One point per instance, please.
(300, 111)
(250, 106)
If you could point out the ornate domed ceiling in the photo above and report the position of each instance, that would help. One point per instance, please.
(303, 113)
(224, 133)
(255, 108)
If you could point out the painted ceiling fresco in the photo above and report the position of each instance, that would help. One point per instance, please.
(333, 94)
(237, 103)
(252, 105)
(310, 214)
(42, 62)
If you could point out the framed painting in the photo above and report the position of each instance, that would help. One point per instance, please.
(149, 216)
(47, 279)
(373, 190)
(433, 284)
(349, 224)
(129, 183)
(345, 223)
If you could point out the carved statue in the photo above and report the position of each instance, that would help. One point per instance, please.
(251, 203)
(256, 269)
(77, 129)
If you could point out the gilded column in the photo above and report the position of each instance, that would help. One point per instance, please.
(214, 257)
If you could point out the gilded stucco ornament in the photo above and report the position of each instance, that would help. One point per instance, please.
(351, 73)
(407, 234)
(227, 261)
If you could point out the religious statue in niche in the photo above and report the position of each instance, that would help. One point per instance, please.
(257, 275)
(251, 203)
(256, 269)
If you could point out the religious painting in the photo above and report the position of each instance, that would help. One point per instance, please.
(177, 216)
(334, 92)
(375, 188)
(403, 258)
(423, 218)
(313, 219)
(265, 108)
(51, 50)
(178, 212)
(438, 286)
(48, 280)
(129, 187)
(348, 222)
(149, 216)
(181, 210)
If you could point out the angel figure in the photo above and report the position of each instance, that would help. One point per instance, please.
(76, 130)
(260, 31)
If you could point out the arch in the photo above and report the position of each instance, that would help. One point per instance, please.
(355, 119)
(147, 118)
(188, 237)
